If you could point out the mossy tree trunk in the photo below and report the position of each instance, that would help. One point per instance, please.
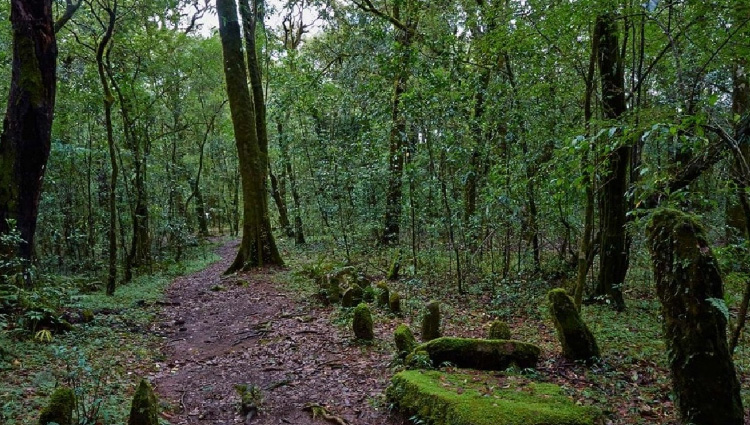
(614, 243)
(258, 247)
(25, 139)
(689, 286)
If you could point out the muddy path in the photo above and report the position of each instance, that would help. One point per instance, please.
(246, 329)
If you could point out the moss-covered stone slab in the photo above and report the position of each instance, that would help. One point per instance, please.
(483, 354)
(441, 398)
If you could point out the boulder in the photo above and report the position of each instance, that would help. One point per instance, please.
(352, 297)
(499, 330)
(362, 323)
(404, 339)
(60, 408)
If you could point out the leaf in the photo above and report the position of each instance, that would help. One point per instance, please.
(720, 305)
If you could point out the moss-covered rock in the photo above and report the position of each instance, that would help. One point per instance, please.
(332, 288)
(690, 288)
(362, 323)
(395, 269)
(60, 408)
(394, 303)
(144, 410)
(404, 339)
(577, 341)
(441, 398)
(352, 297)
(383, 294)
(483, 354)
(431, 321)
(499, 330)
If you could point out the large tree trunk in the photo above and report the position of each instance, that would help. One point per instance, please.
(614, 244)
(258, 247)
(25, 140)
(689, 286)
(736, 226)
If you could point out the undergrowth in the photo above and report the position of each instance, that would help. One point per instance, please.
(102, 361)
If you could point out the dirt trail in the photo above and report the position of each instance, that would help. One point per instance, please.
(258, 334)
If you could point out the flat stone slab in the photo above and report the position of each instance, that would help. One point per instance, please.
(447, 398)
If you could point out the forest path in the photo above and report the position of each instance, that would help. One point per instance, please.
(221, 332)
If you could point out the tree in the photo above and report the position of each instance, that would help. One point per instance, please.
(26, 136)
(258, 247)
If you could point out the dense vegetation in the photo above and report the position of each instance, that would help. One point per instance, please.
(478, 150)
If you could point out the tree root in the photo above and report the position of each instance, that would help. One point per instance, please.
(318, 411)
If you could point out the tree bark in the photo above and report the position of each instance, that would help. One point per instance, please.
(27, 128)
(689, 286)
(614, 244)
(258, 247)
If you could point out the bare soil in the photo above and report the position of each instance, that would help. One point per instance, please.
(246, 329)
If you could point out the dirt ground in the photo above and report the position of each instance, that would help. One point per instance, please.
(245, 329)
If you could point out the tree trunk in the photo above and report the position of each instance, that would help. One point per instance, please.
(108, 101)
(740, 105)
(258, 247)
(689, 286)
(25, 140)
(614, 245)
(280, 205)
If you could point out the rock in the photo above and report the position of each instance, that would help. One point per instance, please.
(60, 408)
(394, 270)
(577, 341)
(404, 339)
(483, 354)
(333, 288)
(394, 303)
(383, 294)
(690, 288)
(441, 398)
(499, 330)
(431, 321)
(362, 323)
(143, 410)
(352, 297)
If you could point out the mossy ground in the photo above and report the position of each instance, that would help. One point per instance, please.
(112, 351)
(478, 399)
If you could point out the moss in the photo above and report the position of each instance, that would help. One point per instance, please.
(578, 343)
(143, 411)
(484, 354)
(333, 288)
(352, 297)
(394, 303)
(87, 316)
(431, 321)
(394, 270)
(690, 288)
(404, 339)
(362, 323)
(60, 408)
(459, 399)
(499, 330)
(383, 294)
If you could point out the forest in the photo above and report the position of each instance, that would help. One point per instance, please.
(448, 212)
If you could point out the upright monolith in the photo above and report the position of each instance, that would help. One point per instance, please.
(577, 341)
(689, 286)
(431, 321)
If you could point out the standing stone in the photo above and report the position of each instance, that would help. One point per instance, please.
(404, 339)
(431, 321)
(577, 341)
(499, 330)
(689, 286)
(352, 297)
(362, 323)
(384, 294)
(143, 411)
(60, 408)
(394, 303)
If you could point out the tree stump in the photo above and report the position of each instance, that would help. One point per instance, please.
(689, 286)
